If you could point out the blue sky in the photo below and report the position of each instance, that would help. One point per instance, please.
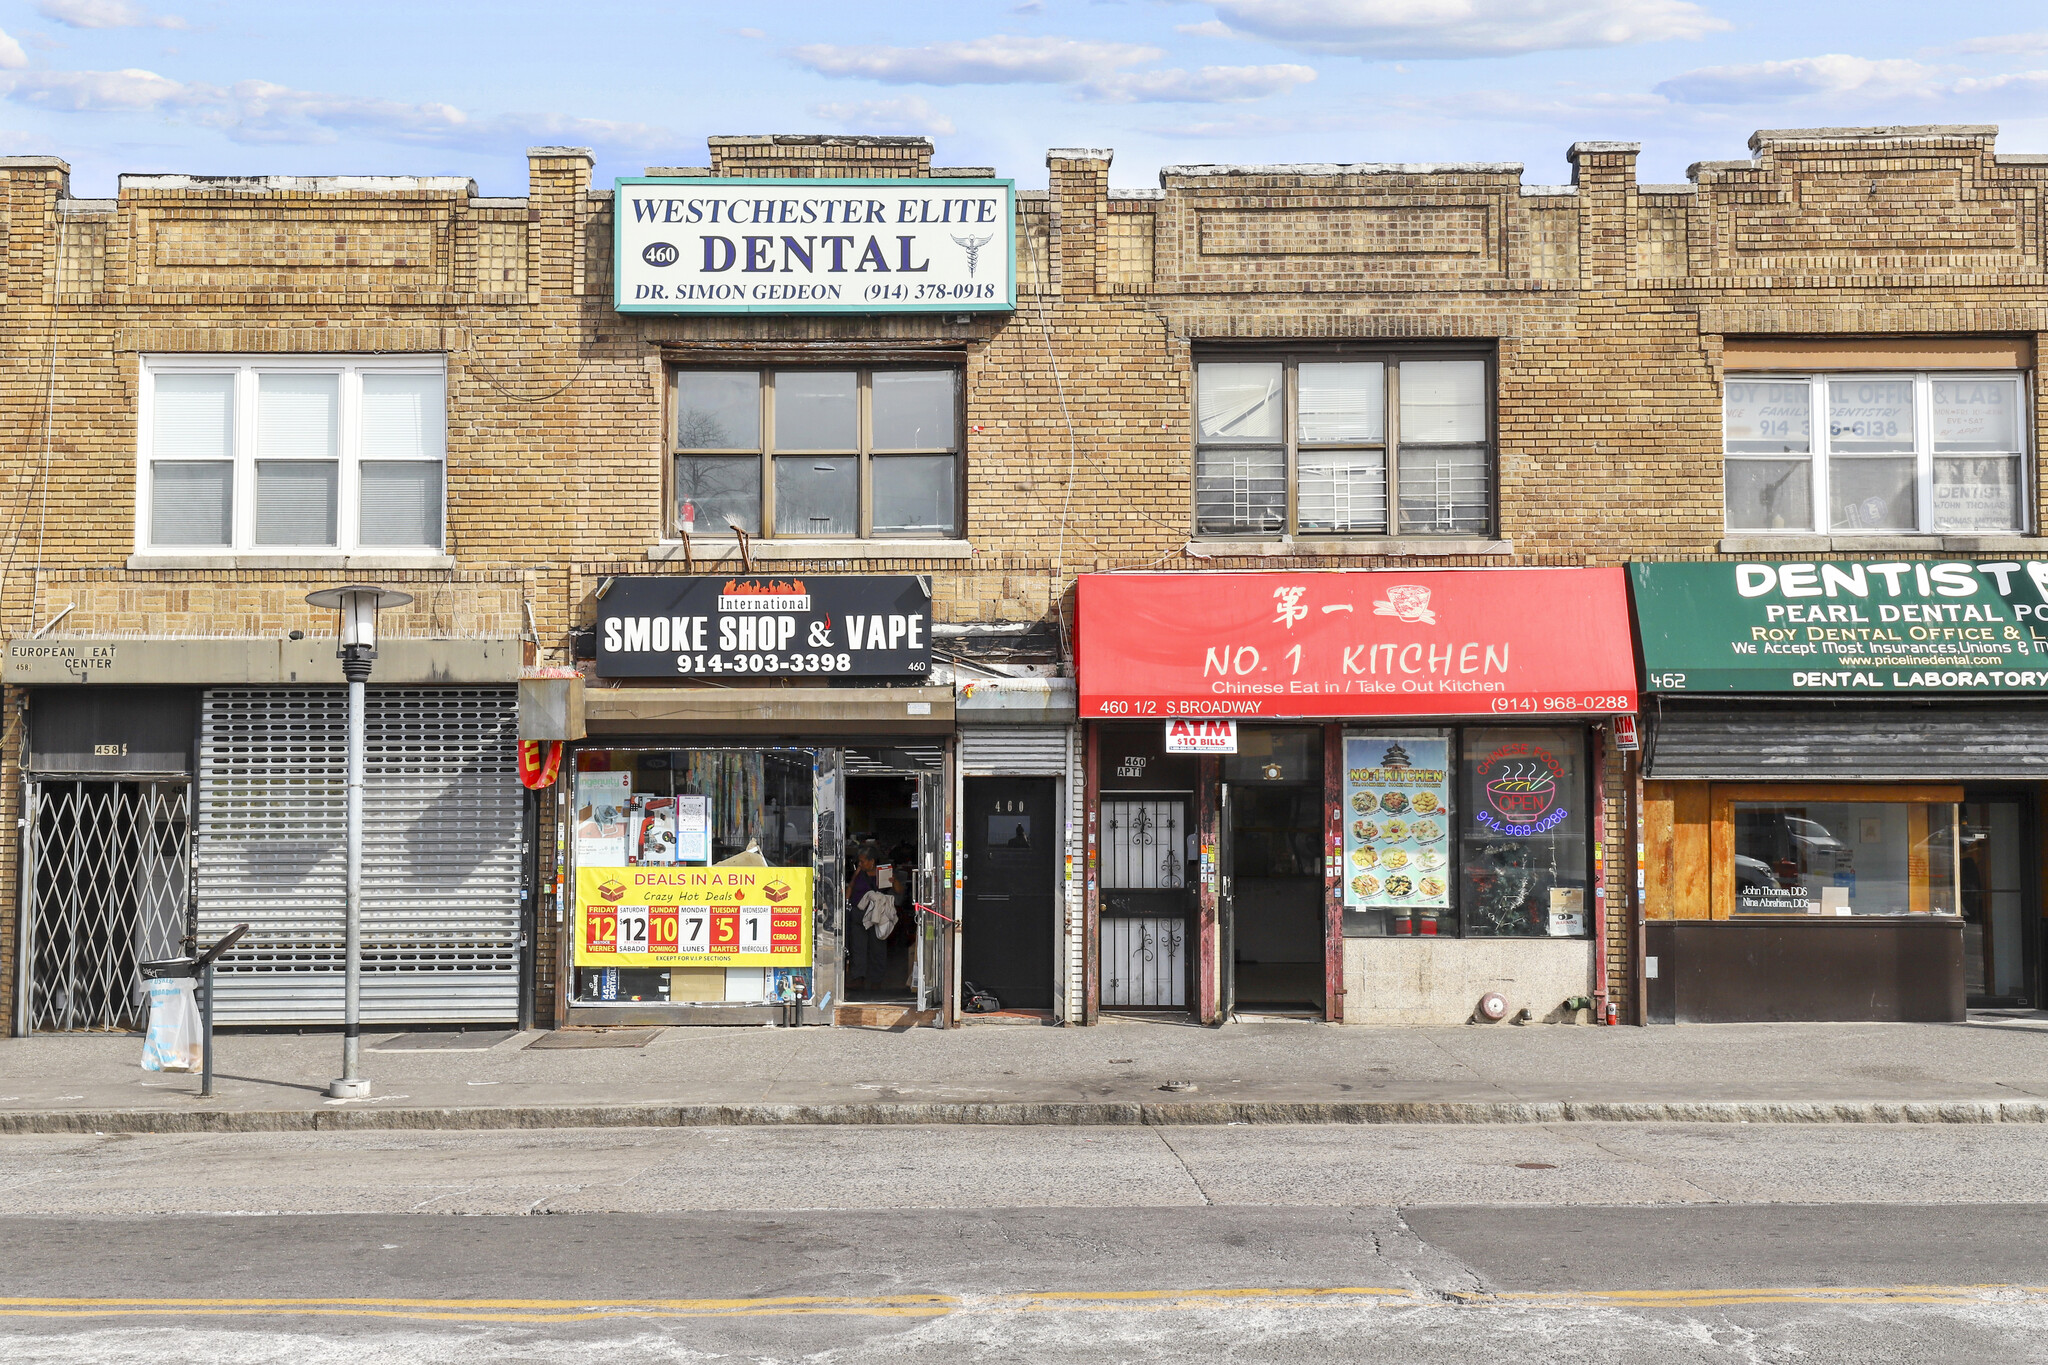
(454, 88)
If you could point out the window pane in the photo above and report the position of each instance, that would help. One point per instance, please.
(913, 494)
(403, 418)
(1443, 400)
(718, 410)
(1767, 416)
(193, 417)
(1238, 402)
(1844, 858)
(1873, 495)
(1343, 490)
(1977, 495)
(1525, 828)
(913, 409)
(1444, 490)
(815, 497)
(1870, 414)
(1976, 415)
(296, 501)
(1240, 490)
(295, 415)
(815, 411)
(401, 503)
(191, 503)
(1769, 495)
(712, 495)
(1345, 402)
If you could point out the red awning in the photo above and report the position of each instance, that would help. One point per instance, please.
(1383, 642)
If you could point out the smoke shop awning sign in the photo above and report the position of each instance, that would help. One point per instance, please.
(765, 626)
(1448, 642)
(1841, 627)
(814, 246)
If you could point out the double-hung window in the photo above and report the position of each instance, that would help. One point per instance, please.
(1888, 452)
(1343, 443)
(818, 453)
(291, 454)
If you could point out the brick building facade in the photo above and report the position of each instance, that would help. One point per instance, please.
(1607, 314)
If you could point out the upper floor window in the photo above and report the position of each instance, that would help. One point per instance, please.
(1344, 443)
(291, 453)
(1897, 452)
(844, 453)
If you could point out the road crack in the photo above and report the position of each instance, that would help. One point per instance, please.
(1193, 1179)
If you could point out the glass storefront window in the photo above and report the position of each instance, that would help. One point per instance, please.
(745, 808)
(1524, 834)
(1845, 858)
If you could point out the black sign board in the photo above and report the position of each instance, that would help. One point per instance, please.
(765, 626)
(138, 730)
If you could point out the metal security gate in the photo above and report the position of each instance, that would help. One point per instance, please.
(441, 852)
(110, 862)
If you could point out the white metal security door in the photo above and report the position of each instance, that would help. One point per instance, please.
(441, 849)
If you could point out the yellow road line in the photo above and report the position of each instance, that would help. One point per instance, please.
(540, 1311)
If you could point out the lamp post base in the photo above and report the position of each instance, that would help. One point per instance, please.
(348, 1090)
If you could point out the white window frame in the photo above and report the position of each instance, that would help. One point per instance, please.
(1820, 449)
(348, 454)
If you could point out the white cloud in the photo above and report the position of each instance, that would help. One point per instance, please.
(2008, 44)
(263, 111)
(1210, 85)
(1000, 60)
(907, 115)
(1831, 77)
(1461, 28)
(11, 55)
(105, 14)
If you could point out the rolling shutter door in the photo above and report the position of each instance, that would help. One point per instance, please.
(441, 852)
(1014, 751)
(1902, 741)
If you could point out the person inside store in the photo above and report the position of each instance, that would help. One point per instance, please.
(866, 956)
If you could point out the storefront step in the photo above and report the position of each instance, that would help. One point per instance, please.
(882, 1016)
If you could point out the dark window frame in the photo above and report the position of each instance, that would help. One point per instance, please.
(767, 451)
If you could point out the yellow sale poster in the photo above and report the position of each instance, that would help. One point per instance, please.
(693, 917)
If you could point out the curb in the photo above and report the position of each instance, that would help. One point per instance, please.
(1019, 1114)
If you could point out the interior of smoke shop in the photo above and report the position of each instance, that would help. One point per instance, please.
(1851, 832)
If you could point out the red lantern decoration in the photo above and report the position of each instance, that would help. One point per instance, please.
(539, 762)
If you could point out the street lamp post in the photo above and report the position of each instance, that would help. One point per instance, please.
(358, 604)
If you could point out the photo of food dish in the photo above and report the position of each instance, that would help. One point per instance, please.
(1429, 860)
(1400, 887)
(1365, 803)
(1424, 802)
(1395, 859)
(1365, 884)
(1394, 830)
(1394, 802)
(1426, 831)
(1364, 830)
(1364, 857)
(1433, 887)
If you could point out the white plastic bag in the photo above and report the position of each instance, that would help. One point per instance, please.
(173, 1041)
(878, 912)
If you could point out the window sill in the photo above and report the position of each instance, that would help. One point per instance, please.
(385, 559)
(1811, 544)
(725, 548)
(1348, 545)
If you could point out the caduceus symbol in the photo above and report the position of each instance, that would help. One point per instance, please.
(973, 246)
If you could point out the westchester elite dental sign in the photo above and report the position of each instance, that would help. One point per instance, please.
(814, 246)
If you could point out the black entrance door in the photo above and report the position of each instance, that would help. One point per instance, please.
(1006, 935)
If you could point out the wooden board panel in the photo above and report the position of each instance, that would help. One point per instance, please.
(1691, 852)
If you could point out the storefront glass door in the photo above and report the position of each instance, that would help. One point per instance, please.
(1996, 880)
(1271, 942)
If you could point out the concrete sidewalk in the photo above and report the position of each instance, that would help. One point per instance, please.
(1992, 1069)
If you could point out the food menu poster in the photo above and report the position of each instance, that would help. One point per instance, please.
(1397, 816)
(693, 917)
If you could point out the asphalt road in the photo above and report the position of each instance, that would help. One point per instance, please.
(1596, 1243)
